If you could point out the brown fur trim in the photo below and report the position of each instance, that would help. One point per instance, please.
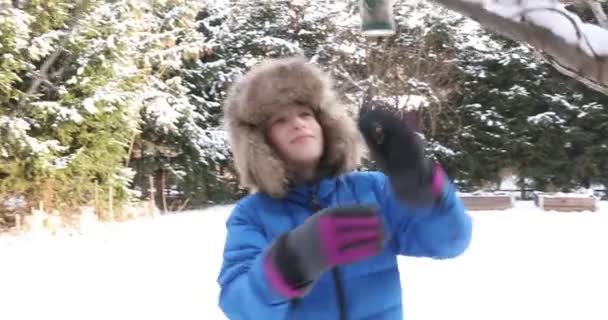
(255, 98)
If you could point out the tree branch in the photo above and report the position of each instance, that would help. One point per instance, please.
(599, 13)
(41, 75)
(570, 73)
(574, 62)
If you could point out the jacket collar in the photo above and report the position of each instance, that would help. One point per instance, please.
(303, 193)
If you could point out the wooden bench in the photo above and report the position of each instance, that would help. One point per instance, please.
(476, 202)
(565, 203)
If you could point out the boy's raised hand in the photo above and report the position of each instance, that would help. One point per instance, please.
(399, 153)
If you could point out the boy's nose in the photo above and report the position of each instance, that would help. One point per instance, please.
(298, 123)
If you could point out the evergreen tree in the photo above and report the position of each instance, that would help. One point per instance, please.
(518, 113)
(180, 145)
(66, 106)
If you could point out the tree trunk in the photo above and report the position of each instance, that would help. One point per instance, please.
(163, 183)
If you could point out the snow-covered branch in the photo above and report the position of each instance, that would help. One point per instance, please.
(577, 47)
(41, 76)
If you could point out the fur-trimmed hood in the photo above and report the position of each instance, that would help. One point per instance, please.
(274, 84)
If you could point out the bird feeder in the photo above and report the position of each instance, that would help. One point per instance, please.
(377, 18)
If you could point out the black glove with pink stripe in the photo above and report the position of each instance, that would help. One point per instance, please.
(329, 238)
(399, 152)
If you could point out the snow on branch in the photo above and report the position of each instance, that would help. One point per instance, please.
(41, 75)
(575, 48)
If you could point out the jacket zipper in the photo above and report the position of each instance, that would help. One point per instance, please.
(337, 278)
(335, 272)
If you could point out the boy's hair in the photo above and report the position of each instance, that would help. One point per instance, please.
(258, 95)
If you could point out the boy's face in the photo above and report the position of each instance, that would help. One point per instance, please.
(297, 136)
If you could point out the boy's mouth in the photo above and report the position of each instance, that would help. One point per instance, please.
(301, 138)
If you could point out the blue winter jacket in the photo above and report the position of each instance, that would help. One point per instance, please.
(368, 289)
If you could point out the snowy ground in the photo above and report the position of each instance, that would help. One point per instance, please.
(522, 264)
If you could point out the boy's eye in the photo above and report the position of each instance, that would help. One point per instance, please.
(305, 114)
(279, 120)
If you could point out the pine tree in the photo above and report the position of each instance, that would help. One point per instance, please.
(178, 141)
(518, 113)
(67, 110)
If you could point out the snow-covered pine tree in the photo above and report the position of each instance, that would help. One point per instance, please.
(516, 112)
(65, 103)
(180, 144)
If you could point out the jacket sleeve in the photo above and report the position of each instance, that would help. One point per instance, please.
(244, 290)
(440, 231)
